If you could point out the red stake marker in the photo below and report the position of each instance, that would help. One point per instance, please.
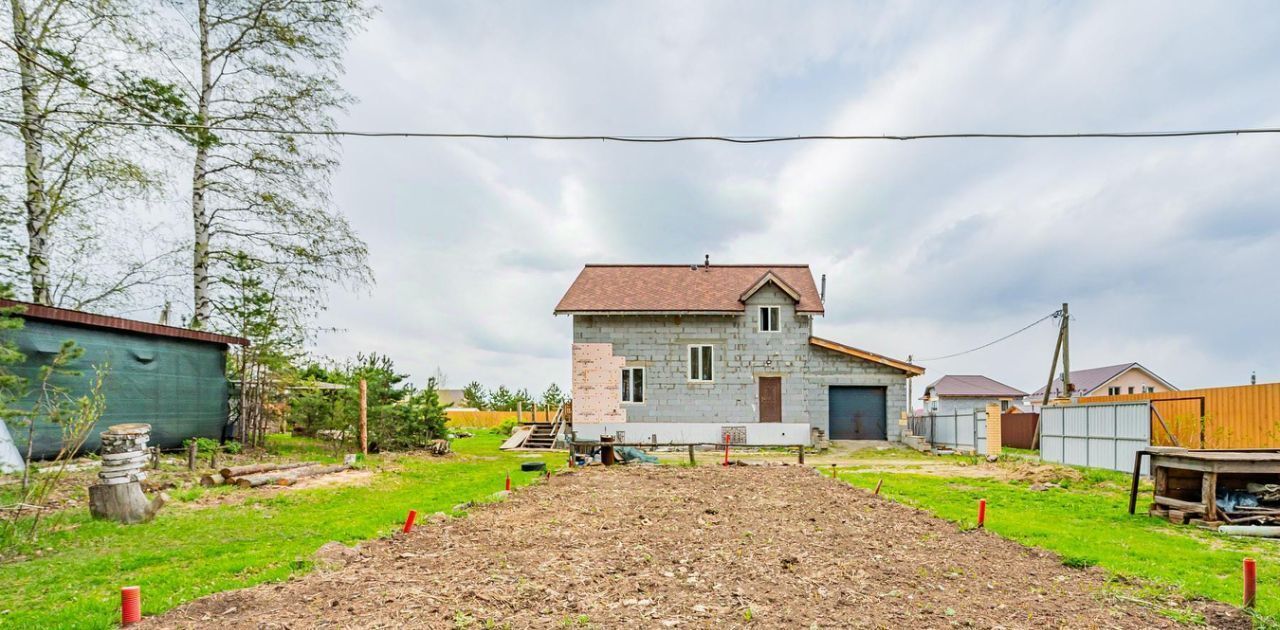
(982, 512)
(726, 450)
(1250, 582)
(508, 481)
(130, 605)
(878, 484)
(408, 522)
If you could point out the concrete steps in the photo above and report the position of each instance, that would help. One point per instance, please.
(917, 442)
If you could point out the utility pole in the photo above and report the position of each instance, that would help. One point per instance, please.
(1066, 352)
(911, 404)
(1060, 348)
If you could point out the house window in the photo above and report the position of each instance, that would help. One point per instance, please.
(1113, 391)
(700, 363)
(1147, 389)
(769, 316)
(1131, 389)
(1004, 405)
(633, 385)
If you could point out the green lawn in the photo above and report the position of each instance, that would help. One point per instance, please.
(188, 552)
(1088, 524)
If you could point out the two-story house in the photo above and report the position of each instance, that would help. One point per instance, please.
(721, 344)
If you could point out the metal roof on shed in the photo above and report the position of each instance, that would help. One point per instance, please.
(93, 320)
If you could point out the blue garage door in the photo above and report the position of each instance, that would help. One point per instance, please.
(857, 413)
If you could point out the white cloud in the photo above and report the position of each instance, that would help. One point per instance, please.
(1162, 247)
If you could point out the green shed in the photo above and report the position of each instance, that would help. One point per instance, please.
(172, 378)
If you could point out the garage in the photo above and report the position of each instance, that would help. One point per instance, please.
(857, 413)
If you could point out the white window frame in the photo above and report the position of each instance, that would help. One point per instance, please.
(632, 383)
(775, 318)
(1113, 390)
(697, 377)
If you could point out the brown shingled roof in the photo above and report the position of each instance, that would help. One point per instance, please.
(93, 320)
(680, 288)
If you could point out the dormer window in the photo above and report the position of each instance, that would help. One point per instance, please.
(770, 317)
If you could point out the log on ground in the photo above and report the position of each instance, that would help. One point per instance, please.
(253, 469)
(287, 477)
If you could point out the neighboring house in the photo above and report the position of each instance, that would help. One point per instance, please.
(1112, 380)
(966, 392)
(172, 378)
(727, 344)
(452, 398)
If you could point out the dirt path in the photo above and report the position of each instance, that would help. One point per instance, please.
(709, 547)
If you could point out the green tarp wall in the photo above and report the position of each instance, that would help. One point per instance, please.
(177, 386)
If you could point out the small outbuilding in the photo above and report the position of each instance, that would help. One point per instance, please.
(172, 378)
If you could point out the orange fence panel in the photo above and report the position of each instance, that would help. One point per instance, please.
(1244, 416)
(480, 419)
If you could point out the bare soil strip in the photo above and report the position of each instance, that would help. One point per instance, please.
(764, 546)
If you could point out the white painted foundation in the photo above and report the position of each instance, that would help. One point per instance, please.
(758, 433)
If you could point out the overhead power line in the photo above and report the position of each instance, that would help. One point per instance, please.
(992, 343)
(669, 139)
(153, 122)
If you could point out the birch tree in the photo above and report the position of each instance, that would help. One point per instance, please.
(58, 81)
(267, 68)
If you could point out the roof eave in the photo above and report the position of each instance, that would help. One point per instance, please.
(834, 346)
(70, 317)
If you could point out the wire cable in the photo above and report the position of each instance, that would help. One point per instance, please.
(1057, 313)
(670, 139)
(153, 122)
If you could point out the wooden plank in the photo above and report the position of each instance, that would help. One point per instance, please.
(1179, 504)
(517, 438)
(1208, 495)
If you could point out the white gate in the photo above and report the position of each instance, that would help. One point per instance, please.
(964, 431)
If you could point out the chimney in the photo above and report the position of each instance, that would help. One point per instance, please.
(822, 294)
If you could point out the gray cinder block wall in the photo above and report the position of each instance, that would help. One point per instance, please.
(660, 344)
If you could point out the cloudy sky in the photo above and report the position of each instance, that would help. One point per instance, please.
(1167, 250)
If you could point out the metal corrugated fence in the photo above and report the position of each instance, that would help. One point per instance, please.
(1243, 416)
(1096, 435)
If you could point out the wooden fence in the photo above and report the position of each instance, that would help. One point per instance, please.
(1244, 416)
(491, 419)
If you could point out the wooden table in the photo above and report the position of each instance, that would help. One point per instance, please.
(1187, 480)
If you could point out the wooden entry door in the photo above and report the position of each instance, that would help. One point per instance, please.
(771, 399)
